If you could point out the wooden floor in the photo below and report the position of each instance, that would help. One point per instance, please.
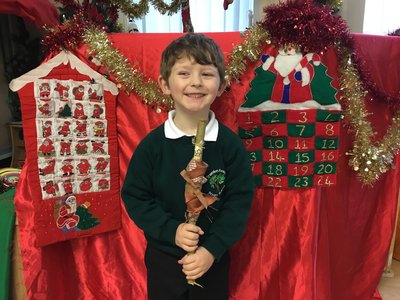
(389, 287)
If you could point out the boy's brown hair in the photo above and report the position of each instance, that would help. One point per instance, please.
(201, 48)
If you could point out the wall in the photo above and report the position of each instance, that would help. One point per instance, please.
(352, 11)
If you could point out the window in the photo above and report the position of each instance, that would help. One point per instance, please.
(206, 16)
(381, 16)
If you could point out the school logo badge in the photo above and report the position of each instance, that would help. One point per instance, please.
(216, 181)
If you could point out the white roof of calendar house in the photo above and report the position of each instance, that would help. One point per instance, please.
(63, 57)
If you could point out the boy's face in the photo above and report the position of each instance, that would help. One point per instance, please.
(193, 87)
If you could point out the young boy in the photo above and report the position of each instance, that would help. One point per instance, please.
(192, 73)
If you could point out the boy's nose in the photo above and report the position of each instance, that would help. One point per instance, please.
(196, 80)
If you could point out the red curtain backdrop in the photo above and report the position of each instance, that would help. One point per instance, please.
(38, 12)
(314, 244)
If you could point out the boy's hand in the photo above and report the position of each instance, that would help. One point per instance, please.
(194, 265)
(187, 236)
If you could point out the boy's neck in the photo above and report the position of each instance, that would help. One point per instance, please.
(188, 123)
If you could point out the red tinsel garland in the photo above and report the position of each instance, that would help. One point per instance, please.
(311, 27)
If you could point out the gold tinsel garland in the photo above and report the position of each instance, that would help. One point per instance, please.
(369, 159)
(140, 9)
(127, 76)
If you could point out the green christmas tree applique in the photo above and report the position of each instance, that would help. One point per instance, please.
(86, 219)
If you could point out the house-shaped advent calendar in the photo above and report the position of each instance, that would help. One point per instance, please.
(69, 125)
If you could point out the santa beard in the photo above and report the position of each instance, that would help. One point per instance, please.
(285, 63)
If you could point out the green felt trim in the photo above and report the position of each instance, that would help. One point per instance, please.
(325, 168)
(272, 169)
(255, 155)
(328, 116)
(296, 157)
(7, 224)
(275, 143)
(300, 181)
(273, 117)
(301, 130)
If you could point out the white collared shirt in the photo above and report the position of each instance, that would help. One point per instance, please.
(173, 132)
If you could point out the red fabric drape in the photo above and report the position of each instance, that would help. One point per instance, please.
(322, 244)
(38, 12)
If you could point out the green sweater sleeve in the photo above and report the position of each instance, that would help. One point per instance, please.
(139, 197)
(230, 224)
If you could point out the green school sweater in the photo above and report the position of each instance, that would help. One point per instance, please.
(153, 190)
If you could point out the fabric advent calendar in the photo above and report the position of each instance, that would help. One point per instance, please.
(69, 122)
(290, 121)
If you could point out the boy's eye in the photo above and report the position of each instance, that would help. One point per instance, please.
(208, 74)
(183, 73)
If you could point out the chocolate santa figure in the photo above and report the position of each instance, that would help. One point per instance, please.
(50, 188)
(103, 184)
(48, 168)
(65, 129)
(81, 128)
(67, 186)
(78, 92)
(101, 165)
(97, 111)
(65, 147)
(46, 129)
(44, 91)
(44, 110)
(67, 167)
(46, 148)
(62, 91)
(99, 129)
(83, 166)
(79, 112)
(85, 185)
(81, 148)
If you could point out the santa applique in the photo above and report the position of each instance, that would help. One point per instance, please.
(93, 96)
(44, 91)
(97, 111)
(81, 147)
(78, 92)
(85, 185)
(50, 188)
(65, 147)
(65, 129)
(79, 112)
(99, 129)
(98, 147)
(67, 167)
(83, 167)
(48, 168)
(101, 165)
(81, 128)
(64, 111)
(67, 187)
(294, 73)
(103, 184)
(46, 129)
(46, 148)
(67, 218)
(44, 110)
(63, 91)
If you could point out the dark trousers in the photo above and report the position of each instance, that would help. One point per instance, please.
(166, 281)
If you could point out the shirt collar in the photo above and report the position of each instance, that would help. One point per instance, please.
(173, 132)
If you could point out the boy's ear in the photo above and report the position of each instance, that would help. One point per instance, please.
(163, 85)
(221, 88)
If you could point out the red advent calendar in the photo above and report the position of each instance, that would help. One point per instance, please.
(69, 121)
(290, 121)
